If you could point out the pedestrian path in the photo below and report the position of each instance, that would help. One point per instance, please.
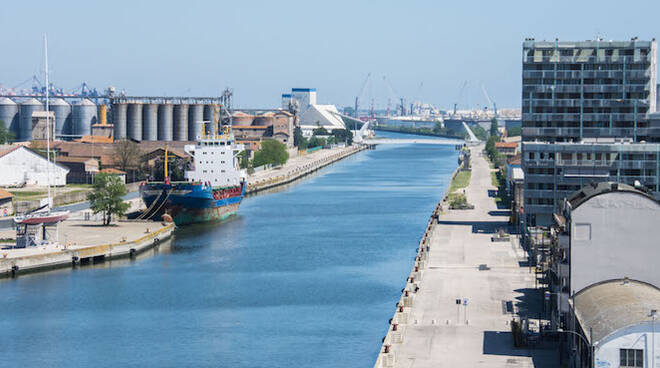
(460, 315)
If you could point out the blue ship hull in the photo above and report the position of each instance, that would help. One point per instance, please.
(190, 203)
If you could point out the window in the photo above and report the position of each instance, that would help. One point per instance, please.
(631, 358)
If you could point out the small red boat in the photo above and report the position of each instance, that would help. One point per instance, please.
(45, 217)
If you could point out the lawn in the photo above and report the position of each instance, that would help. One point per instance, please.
(461, 180)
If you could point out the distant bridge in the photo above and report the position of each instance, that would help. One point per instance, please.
(443, 142)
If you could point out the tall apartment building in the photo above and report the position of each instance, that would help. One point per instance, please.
(587, 116)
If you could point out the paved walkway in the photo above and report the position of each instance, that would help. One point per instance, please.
(441, 333)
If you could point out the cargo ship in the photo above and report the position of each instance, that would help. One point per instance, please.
(213, 189)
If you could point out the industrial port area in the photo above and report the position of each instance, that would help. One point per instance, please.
(271, 196)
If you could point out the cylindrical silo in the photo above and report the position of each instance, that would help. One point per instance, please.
(103, 114)
(119, 120)
(134, 121)
(208, 117)
(195, 118)
(181, 122)
(84, 115)
(9, 115)
(25, 124)
(150, 122)
(165, 122)
(62, 111)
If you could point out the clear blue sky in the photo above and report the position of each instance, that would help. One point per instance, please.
(427, 49)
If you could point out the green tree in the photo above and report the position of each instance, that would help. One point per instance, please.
(298, 138)
(271, 152)
(320, 131)
(316, 141)
(6, 136)
(493, 126)
(343, 135)
(106, 196)
(479, 132)
(349, 110)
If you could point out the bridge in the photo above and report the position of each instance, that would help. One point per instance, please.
(443, 142)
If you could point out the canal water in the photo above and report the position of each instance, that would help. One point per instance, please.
(306, 276)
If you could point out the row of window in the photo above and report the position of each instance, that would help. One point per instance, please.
(213, 152)
(643, 65)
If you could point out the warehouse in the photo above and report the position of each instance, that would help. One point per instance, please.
(22, 166)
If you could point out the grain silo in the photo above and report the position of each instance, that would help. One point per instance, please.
(209, 113)
(62, 111)
(84, 115)
(25, 123)
(181, 122)
(150, 122)
(119, 120)
(165, 122)
(195, 119)
(134, 121)
(9, 115)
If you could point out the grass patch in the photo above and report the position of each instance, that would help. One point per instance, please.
(23, 195)
(461, 180)
(494, 179)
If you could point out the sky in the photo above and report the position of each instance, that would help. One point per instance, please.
(426, 50)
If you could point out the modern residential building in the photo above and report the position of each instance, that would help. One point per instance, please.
(586, 116)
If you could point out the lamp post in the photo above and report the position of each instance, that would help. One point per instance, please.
(653, 314)
(584, 339)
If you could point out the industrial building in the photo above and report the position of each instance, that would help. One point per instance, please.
(614, 322)
(586, 116)
(310, 114)
(22, 166)
(605, 231)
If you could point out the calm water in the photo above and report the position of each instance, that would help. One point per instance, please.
(308, 276)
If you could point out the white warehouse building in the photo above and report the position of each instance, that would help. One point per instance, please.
(616, 320)
(310, 114)
(20, 165)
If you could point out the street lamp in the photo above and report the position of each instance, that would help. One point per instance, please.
(584, 339)
(653, 314)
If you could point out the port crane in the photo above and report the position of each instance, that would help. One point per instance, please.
(460, 95)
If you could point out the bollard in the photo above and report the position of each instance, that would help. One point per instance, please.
(387, 349)
(395, 327)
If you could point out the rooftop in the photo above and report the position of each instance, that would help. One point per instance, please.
(506, 145)
(609, 306)
(5, 194)
(594, 189)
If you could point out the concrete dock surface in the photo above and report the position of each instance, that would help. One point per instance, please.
(433, 329)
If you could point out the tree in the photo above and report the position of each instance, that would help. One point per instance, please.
(298, 138)
(127, 155)
(437, 128)
(316, 142)
(479, 132)
(271, 152)
(106, 196)
(493, 126)
(349, 110)
(343, 135)
(6, 136)
(320, 131)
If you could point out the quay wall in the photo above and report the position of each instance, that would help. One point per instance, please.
(275, 181)
(74, 255)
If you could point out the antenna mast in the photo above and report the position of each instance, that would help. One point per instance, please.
(50, 198)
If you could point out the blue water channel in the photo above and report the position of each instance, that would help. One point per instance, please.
(305, 276)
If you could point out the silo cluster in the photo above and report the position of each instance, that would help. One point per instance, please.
(70, 121)
(164, 121)
(148, 120)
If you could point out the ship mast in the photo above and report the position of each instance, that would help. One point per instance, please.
(50, 198)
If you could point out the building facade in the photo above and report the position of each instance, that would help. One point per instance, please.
(20, 166)
(605, 231)
(586, 116)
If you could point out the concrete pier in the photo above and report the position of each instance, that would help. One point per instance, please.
(454, 310)
(86, 242)
(298, 167)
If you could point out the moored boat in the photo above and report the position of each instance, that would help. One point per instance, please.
(213, 188)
